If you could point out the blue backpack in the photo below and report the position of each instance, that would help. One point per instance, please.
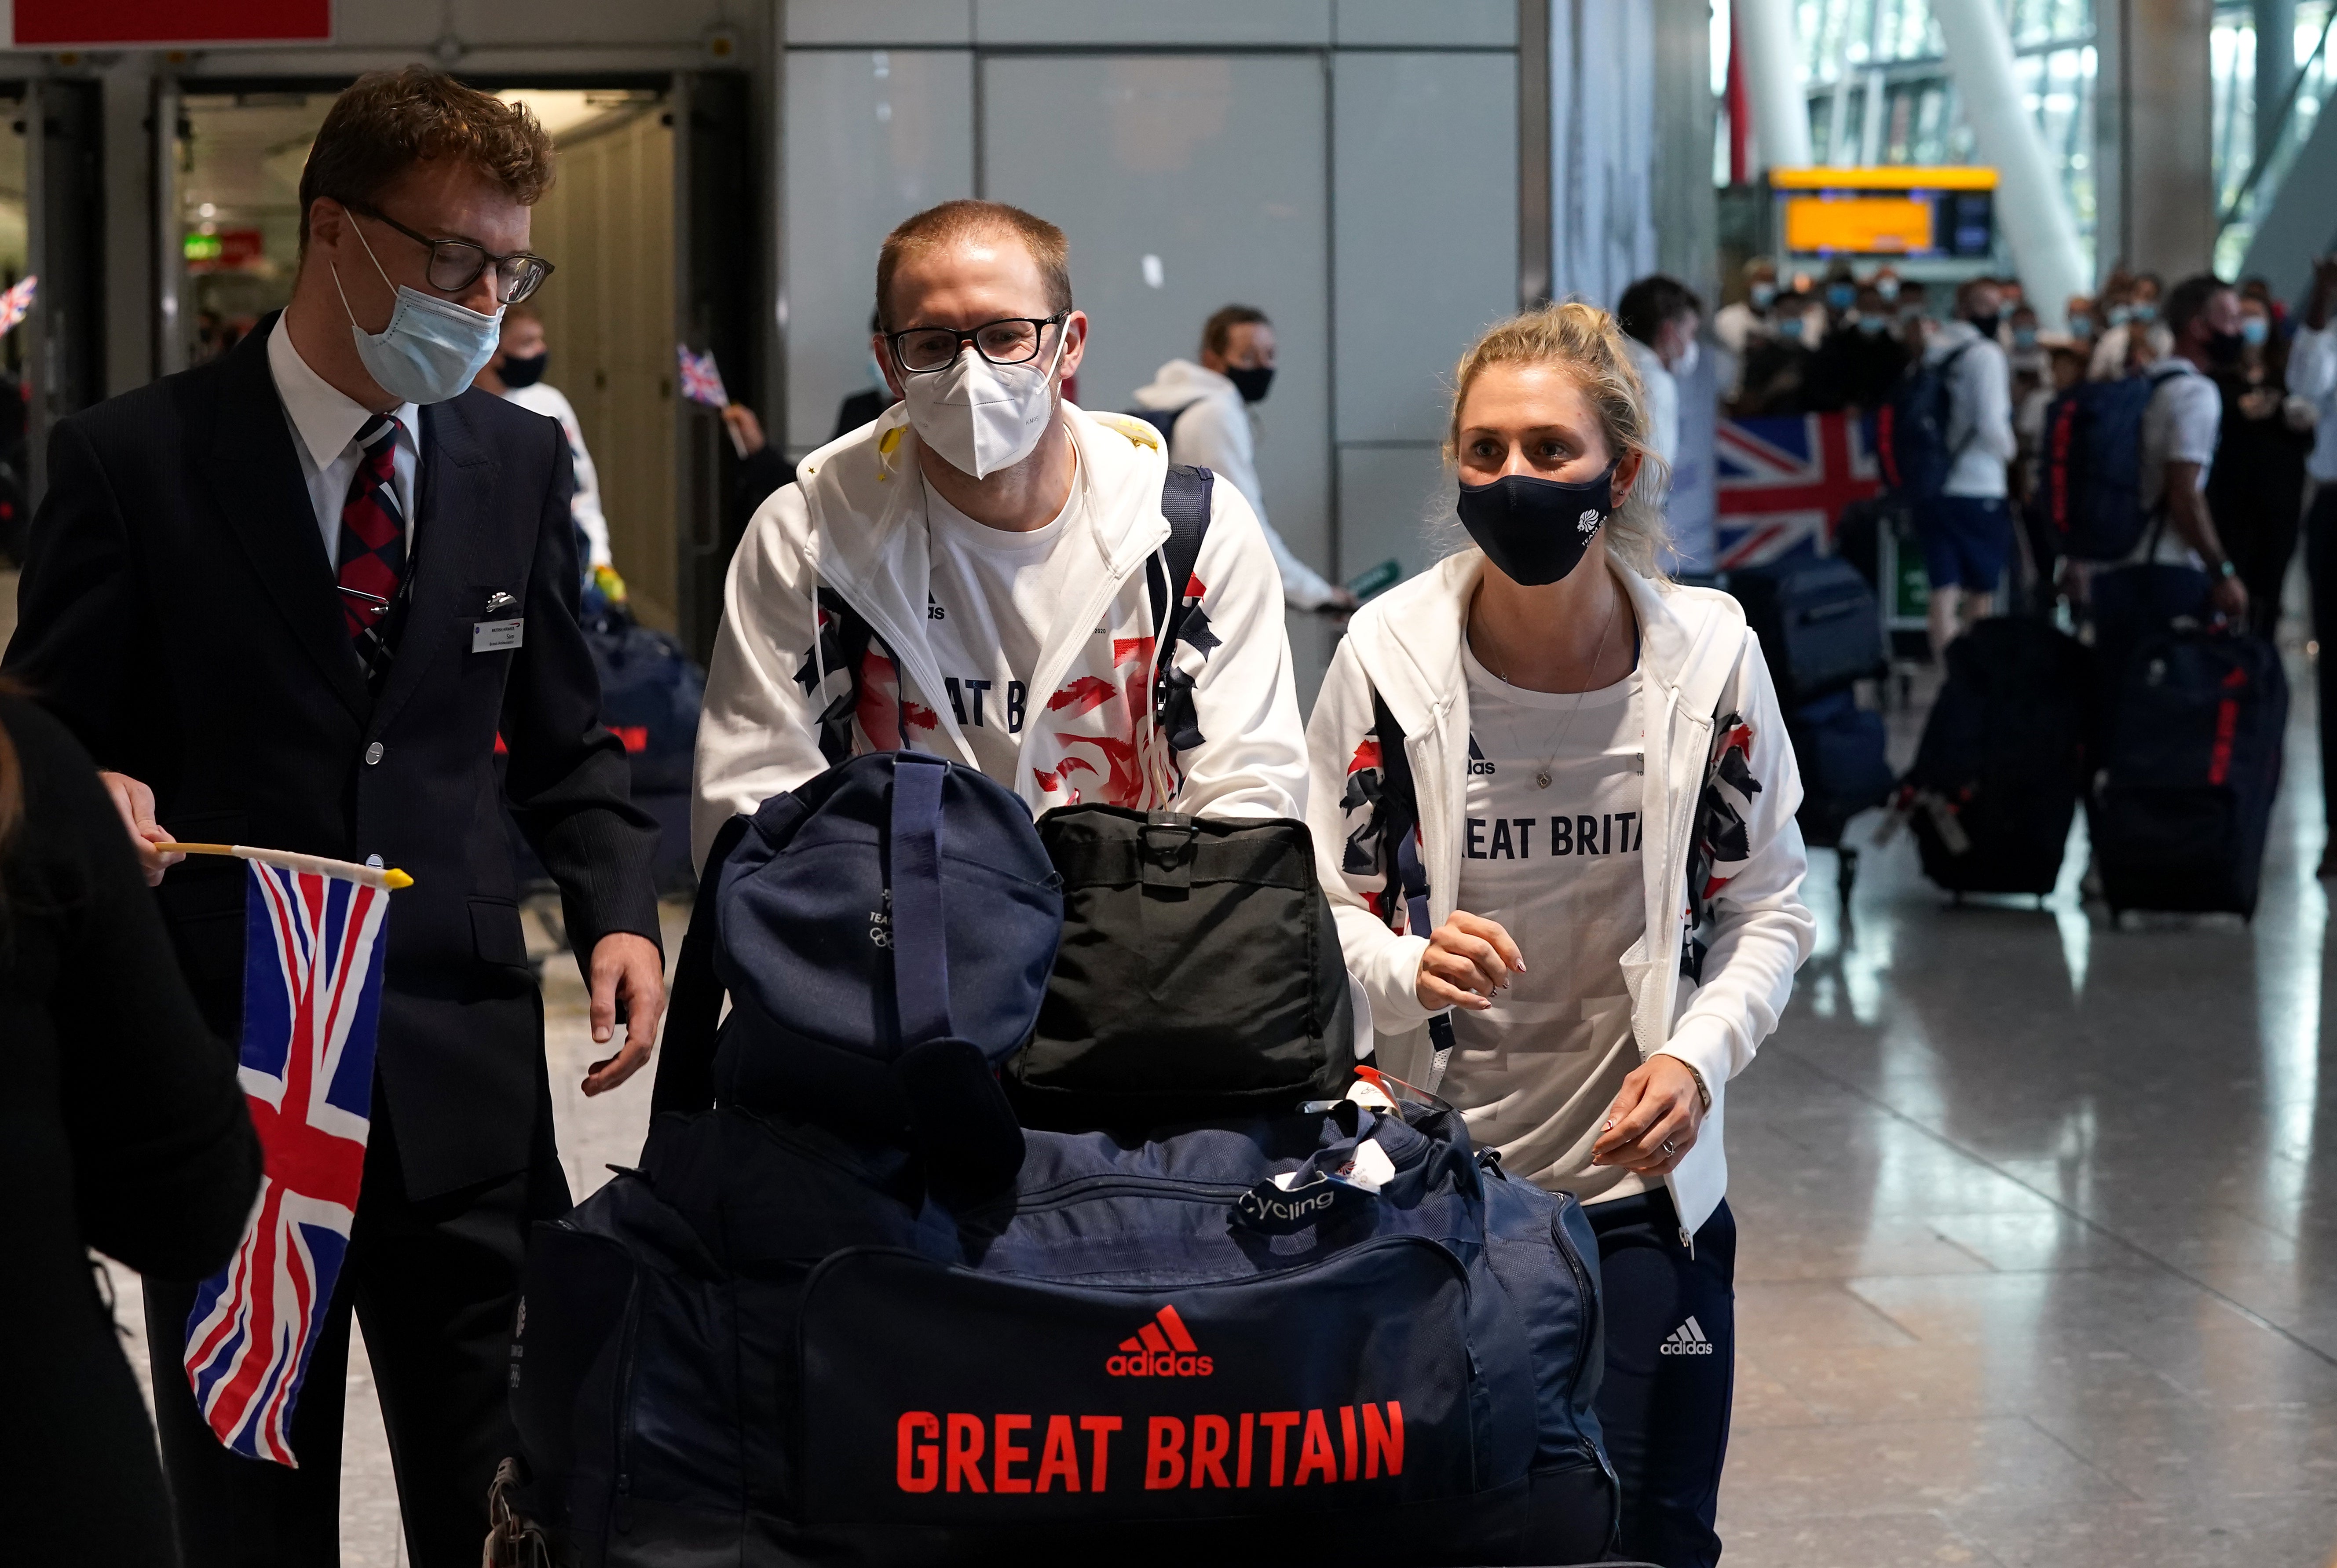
(1910, 433)
(2091, 488)
(884, 935)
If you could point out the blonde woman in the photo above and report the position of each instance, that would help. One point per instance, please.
(1554, 800)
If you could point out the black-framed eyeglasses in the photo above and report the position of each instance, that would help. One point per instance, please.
(456, 264)
(1010, 340)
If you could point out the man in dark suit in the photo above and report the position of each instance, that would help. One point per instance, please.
(294, 598)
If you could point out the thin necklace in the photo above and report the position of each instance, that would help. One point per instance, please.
(1542, 773)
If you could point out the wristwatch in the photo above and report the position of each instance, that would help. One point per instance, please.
(2223, 568)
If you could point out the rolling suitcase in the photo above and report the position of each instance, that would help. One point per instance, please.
(2183, 800)
(2002, 761)
(1818, 622)
(1839, 748)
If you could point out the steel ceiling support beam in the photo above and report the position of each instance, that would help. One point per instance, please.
(2029, 205)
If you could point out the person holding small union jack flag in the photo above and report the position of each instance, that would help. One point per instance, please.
(319, 596)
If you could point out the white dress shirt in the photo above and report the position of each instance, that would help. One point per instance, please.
(1663, 399)
(2312, 375)
(325, 422)
(552, 403)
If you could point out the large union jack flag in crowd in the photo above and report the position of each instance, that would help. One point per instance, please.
(311, 1001)
(1784, 481)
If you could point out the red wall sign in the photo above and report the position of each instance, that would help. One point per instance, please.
(65, 23)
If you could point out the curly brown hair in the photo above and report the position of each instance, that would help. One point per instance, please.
(390, 120)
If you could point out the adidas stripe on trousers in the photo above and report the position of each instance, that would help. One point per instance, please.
(1671, 1355)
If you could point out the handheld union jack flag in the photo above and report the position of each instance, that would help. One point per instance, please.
(311, 1001)
(701, 382)
(16, 303)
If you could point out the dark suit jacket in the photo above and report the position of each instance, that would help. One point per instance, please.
(178, 613)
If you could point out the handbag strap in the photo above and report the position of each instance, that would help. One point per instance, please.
(685, 1073)
(921, 989)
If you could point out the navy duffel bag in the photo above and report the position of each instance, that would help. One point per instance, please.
(843, 1317)
(768, 1346)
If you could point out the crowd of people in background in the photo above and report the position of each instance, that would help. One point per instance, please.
(1845, 340)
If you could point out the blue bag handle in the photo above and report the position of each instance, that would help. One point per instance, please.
(921, 991)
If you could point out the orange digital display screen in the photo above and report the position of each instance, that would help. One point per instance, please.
(1868, 225)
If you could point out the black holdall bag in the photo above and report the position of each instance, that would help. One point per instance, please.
(1199, 974)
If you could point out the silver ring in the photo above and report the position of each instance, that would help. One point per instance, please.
(1667, 1147)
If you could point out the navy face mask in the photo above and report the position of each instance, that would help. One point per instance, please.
(1251, 381)
(523, 370)
(1536, 529)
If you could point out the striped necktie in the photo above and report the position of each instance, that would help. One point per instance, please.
(373, 544)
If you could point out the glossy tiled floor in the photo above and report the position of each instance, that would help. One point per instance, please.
(2038, 1233)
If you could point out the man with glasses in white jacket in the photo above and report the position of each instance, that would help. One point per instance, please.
(967, 574)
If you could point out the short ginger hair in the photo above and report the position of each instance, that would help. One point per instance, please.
(390, 120)
(951, 221)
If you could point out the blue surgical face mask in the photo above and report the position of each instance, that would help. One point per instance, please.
(1790, 328)
(2146, 310)
(2121, 314)
(1762, 295)
(2024, 337)
(2081, 328)
(1888, 287)
(431, 348)
(2254, 330)
(1841, 296)
(1872, 325)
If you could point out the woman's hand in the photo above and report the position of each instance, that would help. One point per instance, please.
(1467, 959)
(1654, 1121)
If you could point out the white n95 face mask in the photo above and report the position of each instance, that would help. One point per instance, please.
(432, 348)
(980, 417)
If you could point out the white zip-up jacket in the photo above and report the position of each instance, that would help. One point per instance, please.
(782, 705)
(1725, 800)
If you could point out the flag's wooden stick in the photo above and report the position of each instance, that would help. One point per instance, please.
(347, 870)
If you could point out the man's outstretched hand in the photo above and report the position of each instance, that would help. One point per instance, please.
(627, 986)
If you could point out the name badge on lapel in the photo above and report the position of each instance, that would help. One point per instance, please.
(500, 628)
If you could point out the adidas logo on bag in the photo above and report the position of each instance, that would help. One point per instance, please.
(1163, 1347)
(1687, 1339)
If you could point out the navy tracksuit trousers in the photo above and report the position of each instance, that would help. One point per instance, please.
(1670, 1319)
